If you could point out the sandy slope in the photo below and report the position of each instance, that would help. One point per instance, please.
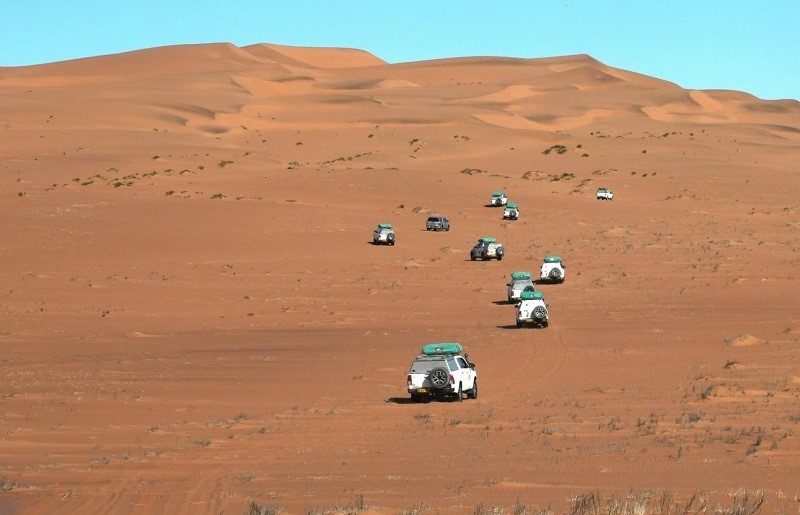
(193, 318)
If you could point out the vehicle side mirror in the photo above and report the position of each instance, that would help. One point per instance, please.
(472, 366)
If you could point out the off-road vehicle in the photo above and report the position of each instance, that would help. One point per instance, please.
(442, 370)
(532, 310)
(383, 234)
(511, 212)
(520, 282)
(604, 194)
(437, 223)
(487, 248)
(498, 199)
(553, 269)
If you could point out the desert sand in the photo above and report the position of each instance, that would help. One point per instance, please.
(194, 320)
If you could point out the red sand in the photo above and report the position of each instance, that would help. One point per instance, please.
(193, 317)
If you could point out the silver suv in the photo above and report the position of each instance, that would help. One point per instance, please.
(437, 223)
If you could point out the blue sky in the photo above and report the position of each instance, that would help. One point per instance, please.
(745, 45)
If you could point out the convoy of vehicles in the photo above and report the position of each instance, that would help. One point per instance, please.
(443, 370)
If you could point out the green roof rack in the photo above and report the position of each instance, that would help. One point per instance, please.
(432, 349)
(531, 295)
(552, 259)
(511, 205)
(488, 239)
(384, 226)
(520, 276)
(497, 193)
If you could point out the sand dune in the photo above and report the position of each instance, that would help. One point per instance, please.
(193, 317)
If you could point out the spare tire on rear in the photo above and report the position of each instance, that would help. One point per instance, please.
(439, 377)
(555, 274)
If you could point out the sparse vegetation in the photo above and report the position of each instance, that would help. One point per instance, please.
(558, 149)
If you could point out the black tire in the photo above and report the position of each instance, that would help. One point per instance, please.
(439, 377)
(473, 393)
(472, 257)
(545, 324)
(555, 274)
(539, 312)
(415, 397)
(447, 228)
(519, 324)
(500, 256)
(459, 394)
(529, 288)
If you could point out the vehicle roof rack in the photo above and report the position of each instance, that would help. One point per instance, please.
(432, 349)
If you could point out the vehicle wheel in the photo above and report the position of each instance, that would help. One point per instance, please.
(499, 256)
(555, 274)
(545, 324)
(539, 312)
(519, 324)
(438, 377)
(472, 257)
(447, 228)
(415, 397)
(459, 394)
(473, 394)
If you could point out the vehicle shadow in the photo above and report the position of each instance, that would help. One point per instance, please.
(507, 326)
(504, 302)
(407, 400)
(400, 400)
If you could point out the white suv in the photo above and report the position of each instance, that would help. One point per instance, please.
(487, 248)
(498, 199)
(441, 371)
(532, 310)
(605, 194)
(553, 269)
(383, 234)
(511, 212)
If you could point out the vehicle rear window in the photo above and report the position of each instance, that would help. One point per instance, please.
(426, 365)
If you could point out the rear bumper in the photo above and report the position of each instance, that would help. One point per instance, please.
(431, 392)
